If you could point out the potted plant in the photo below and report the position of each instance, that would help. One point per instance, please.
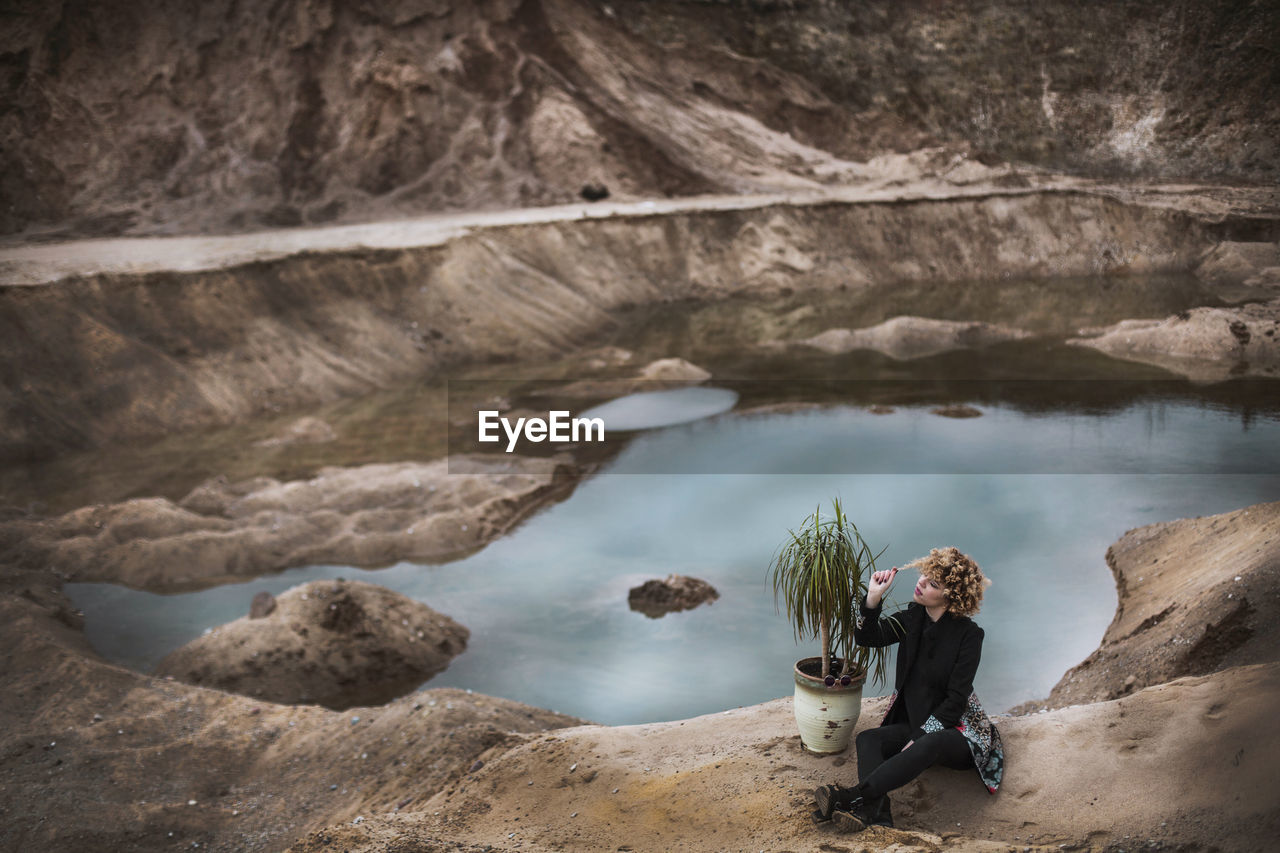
(818, 572)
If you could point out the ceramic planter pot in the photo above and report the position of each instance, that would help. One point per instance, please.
(825, 715)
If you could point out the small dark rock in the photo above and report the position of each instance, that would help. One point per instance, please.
(656, 598)
(957, 411)
(264, 604)
(594, 192)
(476, 765)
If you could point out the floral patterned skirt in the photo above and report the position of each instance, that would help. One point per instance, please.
(980, 733)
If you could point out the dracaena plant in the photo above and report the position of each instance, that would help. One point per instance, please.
(818, 574)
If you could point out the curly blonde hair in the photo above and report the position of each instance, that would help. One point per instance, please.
(961, 580)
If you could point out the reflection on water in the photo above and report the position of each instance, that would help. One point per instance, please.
(547, 606)
(650, 409)
(410, 421)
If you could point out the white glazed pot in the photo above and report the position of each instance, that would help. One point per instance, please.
(825, 715)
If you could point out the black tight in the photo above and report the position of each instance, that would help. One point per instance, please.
(883, 766)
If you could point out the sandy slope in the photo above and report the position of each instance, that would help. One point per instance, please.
(1197, 595)
(94, 757)
(1179, 763)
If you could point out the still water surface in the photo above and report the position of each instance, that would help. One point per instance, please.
(1036, 498)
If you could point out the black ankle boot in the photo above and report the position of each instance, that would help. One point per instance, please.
(828, 798)
(861, 813)
(852, 819)
(879, 813)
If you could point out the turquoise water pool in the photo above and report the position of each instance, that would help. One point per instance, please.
(1034, 495)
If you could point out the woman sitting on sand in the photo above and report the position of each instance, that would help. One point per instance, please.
(934, 716)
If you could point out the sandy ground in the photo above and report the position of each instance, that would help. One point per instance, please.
(95, 757)
(1179, 765)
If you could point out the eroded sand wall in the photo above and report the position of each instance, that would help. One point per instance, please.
(90, 361)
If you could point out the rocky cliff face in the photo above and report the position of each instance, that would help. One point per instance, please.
(1138, 88)
(164, 116)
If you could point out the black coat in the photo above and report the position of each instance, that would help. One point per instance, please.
(947, 655)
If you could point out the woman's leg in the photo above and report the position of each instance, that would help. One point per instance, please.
(947, 747)
(875, 745)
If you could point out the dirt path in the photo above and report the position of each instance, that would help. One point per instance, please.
(47, 263)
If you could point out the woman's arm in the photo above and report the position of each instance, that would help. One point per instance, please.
(872, 630)
(960, 685)
(868, 628)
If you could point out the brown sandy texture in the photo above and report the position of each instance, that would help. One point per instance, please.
(369, 516)
(304, 430)
(1196, 595)
(332, 643)
(1183, 765)
(1203, 344)
(94, 757)
(908, 337)
(1211, 344)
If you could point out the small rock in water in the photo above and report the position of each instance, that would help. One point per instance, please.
(656, 598)
(958, 411)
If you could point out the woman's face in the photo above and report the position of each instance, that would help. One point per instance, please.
(929, 593)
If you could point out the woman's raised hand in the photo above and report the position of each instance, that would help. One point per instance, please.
(879, 585)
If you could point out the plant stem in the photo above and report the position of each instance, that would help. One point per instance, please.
(826, 647)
